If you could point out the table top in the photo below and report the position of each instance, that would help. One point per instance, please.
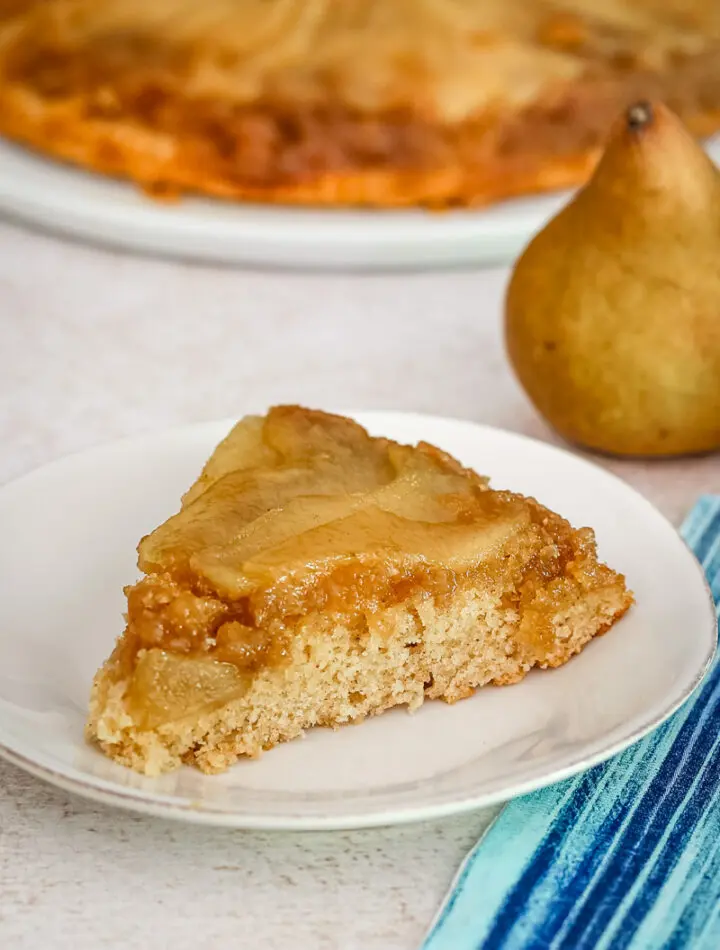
(96, 345)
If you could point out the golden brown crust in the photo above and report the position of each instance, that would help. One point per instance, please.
(165, 170)
(379, 102)
(162, 167)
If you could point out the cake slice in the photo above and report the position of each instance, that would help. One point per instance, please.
(315, 575)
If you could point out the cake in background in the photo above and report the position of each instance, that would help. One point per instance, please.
(382, 103)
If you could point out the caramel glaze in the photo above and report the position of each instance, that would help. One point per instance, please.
(129, 77)
(185, 617)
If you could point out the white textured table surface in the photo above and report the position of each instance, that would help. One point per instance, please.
(94, 346)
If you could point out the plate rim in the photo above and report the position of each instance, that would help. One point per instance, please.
(105, 791)
(263, 235)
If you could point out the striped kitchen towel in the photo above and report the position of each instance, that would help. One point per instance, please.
(623, 857)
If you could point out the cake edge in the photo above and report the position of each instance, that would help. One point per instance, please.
(215, 740)
(159, 164)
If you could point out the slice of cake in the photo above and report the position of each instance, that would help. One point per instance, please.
(315, 575)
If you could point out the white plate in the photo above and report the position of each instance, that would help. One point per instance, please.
(76, 203)
(69, 534)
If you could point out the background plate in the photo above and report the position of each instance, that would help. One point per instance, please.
(69, 201)
(69, 537)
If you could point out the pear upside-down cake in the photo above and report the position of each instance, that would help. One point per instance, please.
(348, 102)
(315, 575)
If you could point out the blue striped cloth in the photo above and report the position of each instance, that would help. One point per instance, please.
(623, 857)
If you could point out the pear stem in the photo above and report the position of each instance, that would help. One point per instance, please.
(639, 115)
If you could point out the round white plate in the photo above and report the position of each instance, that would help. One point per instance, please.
(69, 536)
(69, 201)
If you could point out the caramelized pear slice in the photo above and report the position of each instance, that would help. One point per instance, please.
(420, 493)
(298, 435)
(220, 513)
(262, 465)
(241, 449)
(274, 479)
(369, 534)
(166, 687)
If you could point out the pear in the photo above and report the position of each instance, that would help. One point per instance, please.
(613, 310)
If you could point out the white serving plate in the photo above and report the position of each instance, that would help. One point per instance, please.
(69, 535)
(75, 203)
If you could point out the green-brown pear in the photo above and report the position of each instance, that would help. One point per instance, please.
(613, 310)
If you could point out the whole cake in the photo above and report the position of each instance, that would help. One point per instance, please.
(383, 103)
(315, 575)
